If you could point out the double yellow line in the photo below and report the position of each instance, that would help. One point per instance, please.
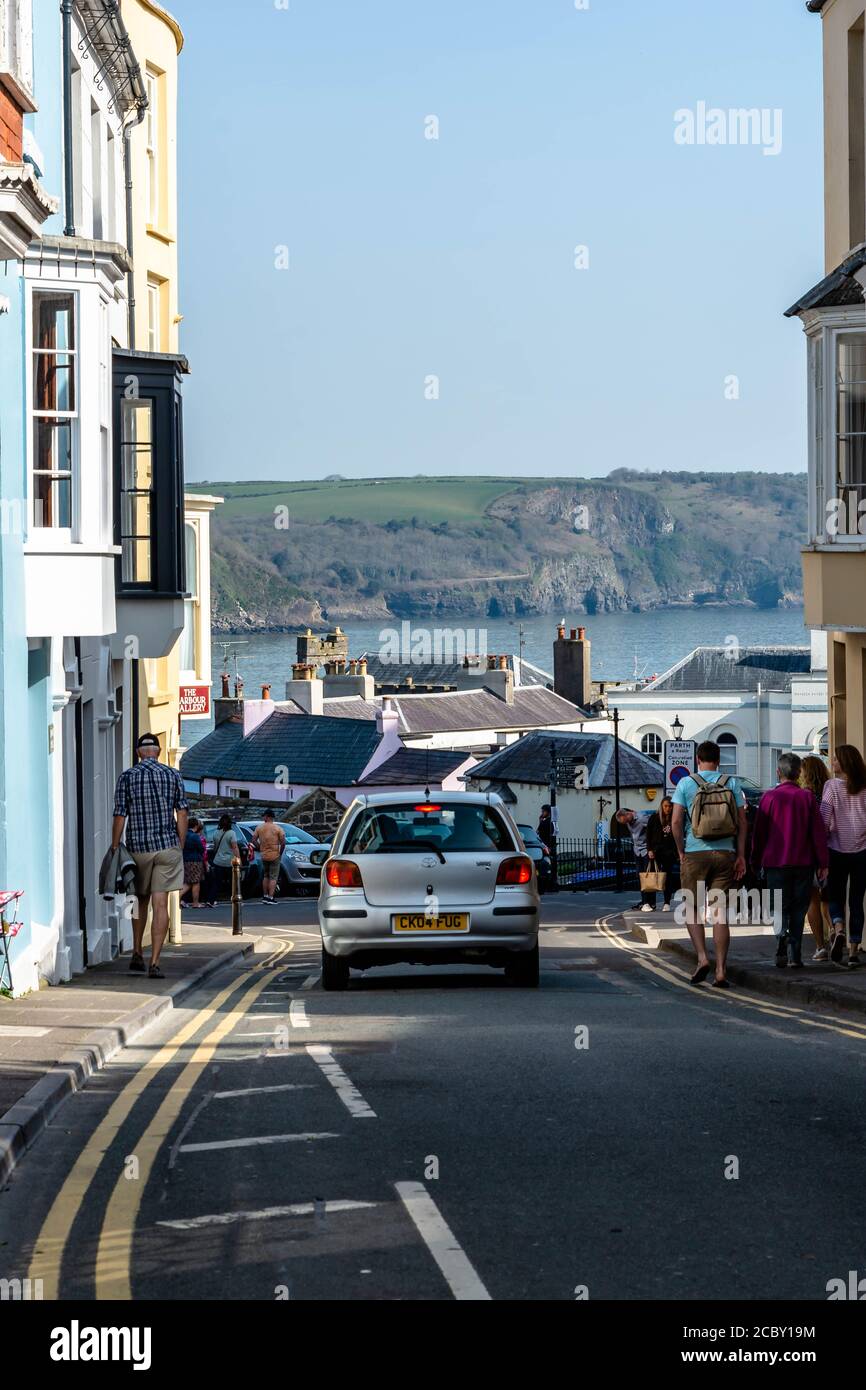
(114, 1253)
(666, 970)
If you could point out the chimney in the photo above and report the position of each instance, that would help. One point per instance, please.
(305, 688)
(387, 720)
(362, 666)
(499, 679)
(225, 682)
(266, 692)
(255, 712)
(572, 671)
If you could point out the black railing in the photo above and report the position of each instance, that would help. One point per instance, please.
(586, 865)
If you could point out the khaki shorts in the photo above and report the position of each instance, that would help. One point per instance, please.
(712, 867)
(158, 871)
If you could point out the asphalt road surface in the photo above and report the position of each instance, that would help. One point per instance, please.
(436, 1134)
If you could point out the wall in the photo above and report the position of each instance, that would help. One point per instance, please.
(837, 20)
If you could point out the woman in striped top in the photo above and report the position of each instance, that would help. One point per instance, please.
(843, 807)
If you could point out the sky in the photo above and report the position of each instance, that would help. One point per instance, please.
(434, 316)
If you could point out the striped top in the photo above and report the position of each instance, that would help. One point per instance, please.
(844, 816)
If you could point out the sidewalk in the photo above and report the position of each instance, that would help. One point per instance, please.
(752, 962)
(51, 1041)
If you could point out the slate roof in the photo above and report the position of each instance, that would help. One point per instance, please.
(338, 707)
(528, 760)
(415, 766)
(534, 707)
(425, 673)
(714, 668)
(839, 288)
(317, 750)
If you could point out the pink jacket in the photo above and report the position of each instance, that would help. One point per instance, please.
(844, 816)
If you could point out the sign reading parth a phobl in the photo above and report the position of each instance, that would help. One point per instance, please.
(194, 701)
(679, 760)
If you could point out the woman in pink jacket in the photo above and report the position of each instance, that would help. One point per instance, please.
(843, 807)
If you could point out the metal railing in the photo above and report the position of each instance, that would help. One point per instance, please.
(585, 865)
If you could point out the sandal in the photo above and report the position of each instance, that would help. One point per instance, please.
(154, 973)
(837, 947)
(700, 974)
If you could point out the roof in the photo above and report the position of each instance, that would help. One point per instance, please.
(838, 289)
(533, 707)
(316, 751)
(528, 760)
(416, 767)
(426, 673)
(341, 707)
(725, 668)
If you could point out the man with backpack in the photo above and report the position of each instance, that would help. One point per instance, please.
(709, 828)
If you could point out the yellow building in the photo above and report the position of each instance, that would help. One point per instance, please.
(833, 315)
(157, 40)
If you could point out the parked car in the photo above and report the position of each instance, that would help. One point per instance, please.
(539, 854)
(297, 872)
(432, 882)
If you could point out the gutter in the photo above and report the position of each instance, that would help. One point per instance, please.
(68, 168)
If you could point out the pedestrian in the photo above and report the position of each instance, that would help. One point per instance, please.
(194, 855)
(660, 840)
(814, 777)
(225, 855)
(709, 827)
(150, 801)
(790, 844)
(843, 807)
(636, 822)
(544, 829)
(270, 840)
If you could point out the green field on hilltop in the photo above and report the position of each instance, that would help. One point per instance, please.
(431, 500)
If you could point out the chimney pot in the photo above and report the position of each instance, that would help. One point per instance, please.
(581, 634)
(362, 666)
(574, 634)
(225, 681)
(503, 663)
(560, 632)
(266, 692)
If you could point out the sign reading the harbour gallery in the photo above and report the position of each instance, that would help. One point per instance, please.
(194, 701)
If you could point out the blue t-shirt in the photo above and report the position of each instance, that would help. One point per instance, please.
(685, 793)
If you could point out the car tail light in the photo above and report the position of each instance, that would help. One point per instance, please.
(343, 873)
(426, 807)
(518, 870)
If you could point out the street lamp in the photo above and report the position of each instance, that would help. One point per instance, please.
(677, 728)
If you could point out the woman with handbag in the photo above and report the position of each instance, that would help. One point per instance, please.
(661, 844)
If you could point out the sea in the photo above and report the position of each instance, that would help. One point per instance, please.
(624, 645)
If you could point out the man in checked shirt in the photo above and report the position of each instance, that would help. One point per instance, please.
(151, 802)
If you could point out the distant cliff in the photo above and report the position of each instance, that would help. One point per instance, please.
(285, 555)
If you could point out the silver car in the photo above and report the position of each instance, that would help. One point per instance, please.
(429, 881)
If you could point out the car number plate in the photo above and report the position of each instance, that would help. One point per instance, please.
(418, 922)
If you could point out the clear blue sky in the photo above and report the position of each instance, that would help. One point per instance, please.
(410, 257)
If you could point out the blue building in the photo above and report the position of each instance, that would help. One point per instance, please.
(76, 477)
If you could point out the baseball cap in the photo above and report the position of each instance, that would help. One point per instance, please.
(148, 741)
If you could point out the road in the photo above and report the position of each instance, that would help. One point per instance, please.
(434, 1134)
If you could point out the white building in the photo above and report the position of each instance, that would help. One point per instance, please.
(755, 702)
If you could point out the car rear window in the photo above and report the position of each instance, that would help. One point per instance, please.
(428, 825)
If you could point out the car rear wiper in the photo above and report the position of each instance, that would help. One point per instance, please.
(416, 844)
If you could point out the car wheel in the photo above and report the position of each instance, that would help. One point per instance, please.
(522, 969)
(335, 971)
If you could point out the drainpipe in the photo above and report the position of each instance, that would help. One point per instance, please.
(127, 172)
(68, 165)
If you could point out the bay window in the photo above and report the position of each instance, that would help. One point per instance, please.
(148, 470)
(190, 607)
(54, 409)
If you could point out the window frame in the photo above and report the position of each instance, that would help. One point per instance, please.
(654, 734)
(152, 147)
(727, 739)
(36, 413)
(826, 330)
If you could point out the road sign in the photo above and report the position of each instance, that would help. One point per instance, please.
(680, 754)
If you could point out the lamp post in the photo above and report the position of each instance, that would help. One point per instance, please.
(678, 729)
(617, 796)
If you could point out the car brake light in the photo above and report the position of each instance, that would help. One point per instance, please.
(343, 873)
(518, 870)
(425, 807)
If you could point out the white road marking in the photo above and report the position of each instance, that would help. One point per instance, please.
(261, 1090)
(252, 1141)
(241, 1037)
(230, 1218)
(298, 1014)
(311, 980)
(348, 1093)
(442, 1243)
